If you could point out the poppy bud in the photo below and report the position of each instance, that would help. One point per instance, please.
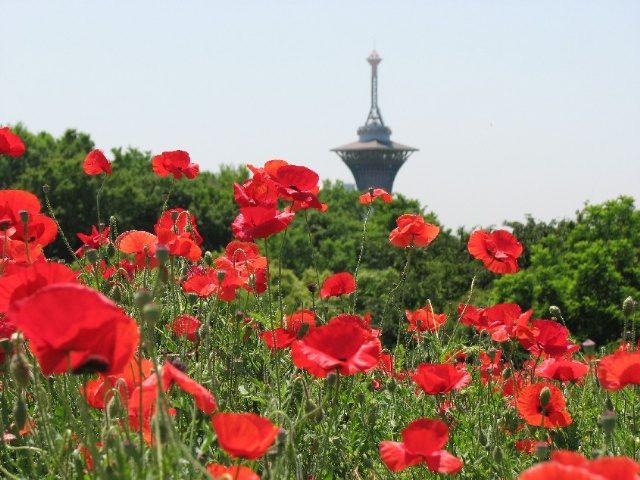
(312, 287)
(303, 330)
(555, 311)
(282, 435)
(220, 274)
(608, 421)
(142, 297)
(589, 347)
(151, 313)
(545, 397)
(20, 413)
(506, 373)
(542, 451)
(162, 254)
(498, 455)
(208, 258)
(24, 216)
(360, 398)
(392, 385)
(491, 353)
(482, 438)
(20, 369)
(111, 249)
(332, 378)
(45, 188)
(608, 405)
(367, 462)
(629, 306)
(173, 215)
(163, 273)
(92, 256)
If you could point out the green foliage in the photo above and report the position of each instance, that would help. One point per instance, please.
(586, 268)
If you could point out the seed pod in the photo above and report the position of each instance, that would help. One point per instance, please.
(20, 413)
(20, 369)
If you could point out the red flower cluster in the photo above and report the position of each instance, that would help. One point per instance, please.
(567, 464)
(24, 231)
(412, 230)
(346, 345)
(499, 250)
(185, 326)
(176, 163)
(422, 441)
(96, 163)
(424, 319)
(10, 143)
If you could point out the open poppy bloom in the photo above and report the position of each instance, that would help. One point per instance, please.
(236, 472)
(176, 163)
(249, 269)
(338, 284)
(563, 369)
(10, 143)
(498, 250)
(422, 441)
(567, 464)
(75, 329)
(549, 337)
(424, 319)
(185, 222)
(618, 370)
(506, 320)
(374, 193)
(259, 222)
(412, 229)
(185, 326)
(245, 435)
(206, 281)
(96, 163)
(531, 408)
(95, 239)
(137, 370)
(344, 345)
(284, 337)
(440, 378)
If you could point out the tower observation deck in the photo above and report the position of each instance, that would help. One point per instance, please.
(374, 160)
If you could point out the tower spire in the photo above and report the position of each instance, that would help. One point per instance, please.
(374, 114)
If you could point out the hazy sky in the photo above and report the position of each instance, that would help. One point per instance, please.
(517, 107)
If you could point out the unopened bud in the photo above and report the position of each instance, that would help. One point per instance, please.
(608, 421)
(545, 397)
(151, 313)
(312, 287)
(45, 188)
(220, 274)
(629, 306)
(589, 347)
(162, 254)
(360, 398)
(92, 256)
(542, 451)
(555, 311)
(392, 385)
(208, 258)
(482, 438)
(332, 378)
(142, 297)
(303, 330)
(163, 274)
(20, 369)
(367, 462)
(24, 216)
(498, 455)
(20, 413)
(174, 215)
(282, 435)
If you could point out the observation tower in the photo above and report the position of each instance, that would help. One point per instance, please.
(374, 160)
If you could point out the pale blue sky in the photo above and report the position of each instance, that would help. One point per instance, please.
(516, 107)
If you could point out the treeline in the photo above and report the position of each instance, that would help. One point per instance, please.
(586, 266)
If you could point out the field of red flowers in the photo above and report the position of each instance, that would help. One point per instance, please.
(148, 358)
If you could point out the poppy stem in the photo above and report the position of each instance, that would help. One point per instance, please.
(362, 245)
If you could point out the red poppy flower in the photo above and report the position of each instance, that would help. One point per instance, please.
(10, 143)
(180, 245)
(27, 281)
(259, 222)
(39, 230)
(506, 320)
(284, 337)
(424, 319)
(245, 435)
(422, 441)
(300, 185)
(476, 317)
(73, 328)
(372, 194)
(185, 222)
(549, 337)
(126, 381)
(619, 370)
(207, 281)
(440, 378)
(563, 369)
(499, 250)
(176, 163)
(491, 368)
(567, 464)
(386, 365)
(96, 163)
(412, 229)
(551, 415)
(338, 284)
(256, 191)
(244, 259)
(94, 240)
(344, 345)
(185, 326)
(236, 472)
